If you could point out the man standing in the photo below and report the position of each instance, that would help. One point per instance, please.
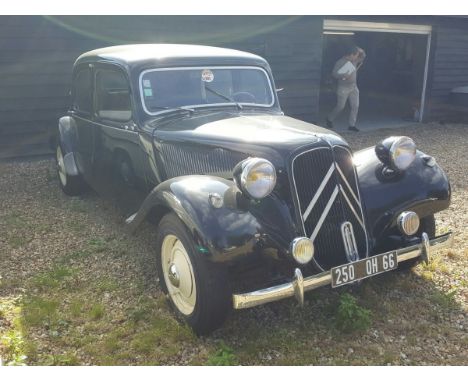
(345, 72)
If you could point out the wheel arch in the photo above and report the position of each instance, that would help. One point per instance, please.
(215, 230)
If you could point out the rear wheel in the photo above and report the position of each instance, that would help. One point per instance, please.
(427, 225)
(70, 185)
(198, 290)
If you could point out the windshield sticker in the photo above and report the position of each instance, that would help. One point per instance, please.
(207, 75)
(147, 83)
(148, 92)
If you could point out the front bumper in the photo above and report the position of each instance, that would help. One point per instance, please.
(299, 285)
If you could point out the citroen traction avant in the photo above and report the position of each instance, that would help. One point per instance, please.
(250, 206)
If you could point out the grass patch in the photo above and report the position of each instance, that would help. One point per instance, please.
(76, 308)
(114, 341)
(445, 300)
(76, 225)
(107, 285)
(436, 264)
(17, 240)
(15, 221)
(77, 205)
(98, 245)
(67, 359)
(224, 356)
(144, 311)
(75, 256)
(52, 278)
(37, 311)
(350, 316)
(12, 344)
(96, 312)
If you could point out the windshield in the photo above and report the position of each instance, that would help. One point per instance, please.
(165, 89)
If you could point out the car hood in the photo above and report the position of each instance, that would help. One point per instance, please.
(226, 138)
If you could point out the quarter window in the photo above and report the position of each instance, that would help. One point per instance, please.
(83, 100)
(112, 96)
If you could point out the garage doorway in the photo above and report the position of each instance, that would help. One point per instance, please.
(392, 81)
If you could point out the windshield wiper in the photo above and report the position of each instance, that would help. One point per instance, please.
(175, 108)
(239, 106)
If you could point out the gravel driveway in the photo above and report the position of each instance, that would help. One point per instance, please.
(76, 288)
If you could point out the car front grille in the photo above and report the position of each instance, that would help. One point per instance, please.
(325, 183)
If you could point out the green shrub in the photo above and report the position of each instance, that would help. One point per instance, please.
(224, 356)
(350, 316)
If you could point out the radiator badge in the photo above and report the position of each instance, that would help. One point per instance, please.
(349, 241)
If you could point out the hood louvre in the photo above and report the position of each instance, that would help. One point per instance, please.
(184, 159)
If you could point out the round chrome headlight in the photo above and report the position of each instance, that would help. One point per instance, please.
(396, 152)
(408, 222)
(256, 177)
(302, 249)
(403, 152)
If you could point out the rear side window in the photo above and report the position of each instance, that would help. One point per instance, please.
(112, 96)
(83, 100)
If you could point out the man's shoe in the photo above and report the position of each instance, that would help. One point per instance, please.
(353, 128)
(329, 124)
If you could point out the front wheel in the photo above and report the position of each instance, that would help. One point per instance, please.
(198, 290)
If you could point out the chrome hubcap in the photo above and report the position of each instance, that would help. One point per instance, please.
(174, 275)
(61, 167)
(178, 274)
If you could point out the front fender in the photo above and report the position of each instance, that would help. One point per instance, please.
(234, 230)
(67, 138)
(421, 188)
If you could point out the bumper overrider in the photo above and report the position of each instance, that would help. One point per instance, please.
(298, 285)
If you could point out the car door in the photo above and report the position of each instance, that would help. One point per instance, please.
(117, 152)
(82, 113)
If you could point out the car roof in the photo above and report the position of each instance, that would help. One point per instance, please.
(142, 56)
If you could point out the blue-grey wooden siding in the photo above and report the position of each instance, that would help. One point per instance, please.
(37, 54)
(449, 69)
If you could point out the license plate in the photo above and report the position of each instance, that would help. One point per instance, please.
(348, 273)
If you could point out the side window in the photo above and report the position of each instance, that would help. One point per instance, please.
(112, 96)
(83, 99)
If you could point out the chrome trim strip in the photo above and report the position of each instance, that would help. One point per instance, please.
(324, 213)
(351, 207)
(293, 288)
(347, 184)
(319, 191)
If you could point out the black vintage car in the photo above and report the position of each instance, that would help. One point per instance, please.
(251, 206)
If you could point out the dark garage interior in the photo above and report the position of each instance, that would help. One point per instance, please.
(390, 81)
